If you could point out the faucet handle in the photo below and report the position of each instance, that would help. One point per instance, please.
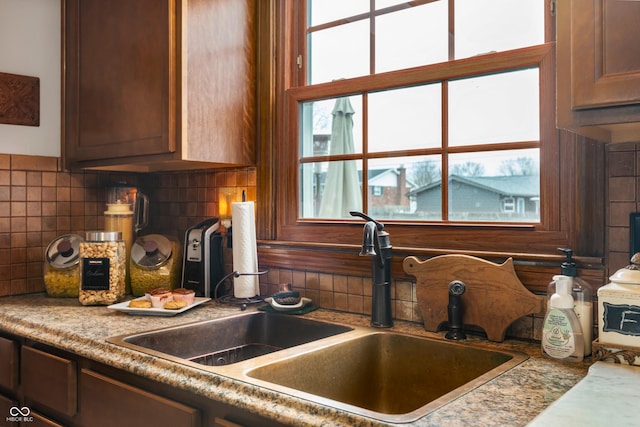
(366, 217)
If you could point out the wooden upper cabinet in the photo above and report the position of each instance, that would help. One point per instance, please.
(156, 85)
(598, 48)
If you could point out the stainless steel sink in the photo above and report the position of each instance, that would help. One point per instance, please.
(388, 376)
(231, 339)
(383, 375)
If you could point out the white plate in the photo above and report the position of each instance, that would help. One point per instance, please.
(282, 307)
(124, 307)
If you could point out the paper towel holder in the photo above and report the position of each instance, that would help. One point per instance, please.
(230, 299)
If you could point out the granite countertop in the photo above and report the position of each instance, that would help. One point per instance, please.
(514, 398)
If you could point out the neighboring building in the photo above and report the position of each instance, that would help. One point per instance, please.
(482, 198)
(389, 192)
(388, 195)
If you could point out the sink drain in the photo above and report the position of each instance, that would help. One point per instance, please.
(234, 355)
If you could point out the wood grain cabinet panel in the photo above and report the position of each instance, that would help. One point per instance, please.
(5, 407)
(108, 402)
(39, 420)
(154, 85)
(49, 380)
(9, 364)
(598, 78)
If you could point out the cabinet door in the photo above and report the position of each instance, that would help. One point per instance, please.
(49, 380)
(107, 402)
(120, 78)
(605, 55)
(8, 364)
(5, 407)
(38, 420)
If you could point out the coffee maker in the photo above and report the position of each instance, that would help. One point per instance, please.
(203, 265)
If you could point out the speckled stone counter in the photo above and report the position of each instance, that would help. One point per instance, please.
(512, 399)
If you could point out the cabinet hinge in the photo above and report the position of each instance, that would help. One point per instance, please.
(552, 7)
(299, 61)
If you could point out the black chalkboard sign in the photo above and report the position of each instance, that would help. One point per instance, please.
(621, 318)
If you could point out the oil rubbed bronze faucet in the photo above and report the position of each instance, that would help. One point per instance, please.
(454, 310)
(376, 244)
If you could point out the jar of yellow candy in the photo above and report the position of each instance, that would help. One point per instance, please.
(155, 262)
(62, 266)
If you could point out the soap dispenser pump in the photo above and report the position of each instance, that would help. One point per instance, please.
(582, 294)
(562, 337)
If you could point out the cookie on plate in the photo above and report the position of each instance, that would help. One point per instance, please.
(175, 305)
(140, 303)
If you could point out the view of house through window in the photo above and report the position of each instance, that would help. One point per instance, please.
(451, 148)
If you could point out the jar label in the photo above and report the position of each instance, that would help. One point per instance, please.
(621, 318)
(95, 274)
(558, 340)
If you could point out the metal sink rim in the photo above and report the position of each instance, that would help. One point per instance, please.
(122, 340)
(516, 359)
(240, 371)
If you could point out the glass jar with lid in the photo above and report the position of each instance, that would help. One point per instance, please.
(119, 217)
(62, 266)
(102, 268)
(155, 262)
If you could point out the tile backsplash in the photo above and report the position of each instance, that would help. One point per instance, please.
(39, 202)
(623, 166)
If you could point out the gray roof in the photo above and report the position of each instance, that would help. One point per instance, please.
(515, 185)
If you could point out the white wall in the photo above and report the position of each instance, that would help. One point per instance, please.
(30, 45)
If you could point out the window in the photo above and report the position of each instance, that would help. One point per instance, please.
(432, 112)
(445, 148)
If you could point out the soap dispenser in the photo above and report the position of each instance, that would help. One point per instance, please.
(582, 295)
(562, 337)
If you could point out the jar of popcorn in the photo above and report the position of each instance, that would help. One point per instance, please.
(62, 266)
(102, 268)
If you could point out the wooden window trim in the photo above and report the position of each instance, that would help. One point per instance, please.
(574, 217)
(292, 228)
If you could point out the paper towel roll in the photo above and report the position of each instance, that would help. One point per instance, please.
(245, 252)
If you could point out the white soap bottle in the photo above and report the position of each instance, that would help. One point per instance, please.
(562, 337)
(582, 298)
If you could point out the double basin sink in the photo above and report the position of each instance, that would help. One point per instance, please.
(383, 375)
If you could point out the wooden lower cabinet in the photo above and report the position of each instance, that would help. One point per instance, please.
(9, 364)
(39, 420)
(6, 404)
(63, 389)
(49, 380)
(107, 402)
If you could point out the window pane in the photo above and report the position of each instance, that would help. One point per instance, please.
(317, 126)
(495, 186)
(411, 37)
(339, 52)
(322, 11)
(495, 108)
(381, 4)
(330, 189)
(405, 118)
(394, 184)
(482, 26)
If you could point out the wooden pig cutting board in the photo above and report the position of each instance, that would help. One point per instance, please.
(494, 296)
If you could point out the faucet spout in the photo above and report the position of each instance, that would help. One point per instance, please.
(376, 244)
(368, 240)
